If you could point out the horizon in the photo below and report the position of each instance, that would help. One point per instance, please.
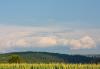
(49, 52)
(66, 27)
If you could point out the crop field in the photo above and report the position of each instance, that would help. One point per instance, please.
(49, 66)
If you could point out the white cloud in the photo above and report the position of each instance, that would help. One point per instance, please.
(47, 41)
(22, 42)
(76, 44)
(84, 42)
(11, 37)
(87, 42)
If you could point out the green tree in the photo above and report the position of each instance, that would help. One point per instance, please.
(15, 59)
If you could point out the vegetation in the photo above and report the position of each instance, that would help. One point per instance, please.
(96, 60)
(49, 66)
(45, 57)
(15, 59)
(44, 60)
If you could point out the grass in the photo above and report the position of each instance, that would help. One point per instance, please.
(50, 66)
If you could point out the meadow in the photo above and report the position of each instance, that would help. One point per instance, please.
(50, 66)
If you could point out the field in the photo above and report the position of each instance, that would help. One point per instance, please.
(50, 66)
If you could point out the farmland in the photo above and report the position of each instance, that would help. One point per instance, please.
(50, 66)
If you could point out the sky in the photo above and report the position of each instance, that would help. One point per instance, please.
(61, 26)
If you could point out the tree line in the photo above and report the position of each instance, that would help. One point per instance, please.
(18, 59)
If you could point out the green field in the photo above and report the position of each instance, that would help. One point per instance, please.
(50, 66)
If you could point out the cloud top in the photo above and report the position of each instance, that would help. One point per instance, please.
(84, 42)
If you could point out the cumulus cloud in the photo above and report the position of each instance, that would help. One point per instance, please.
(47, 41)
(43, 37)
(84, 42)
(22, 42)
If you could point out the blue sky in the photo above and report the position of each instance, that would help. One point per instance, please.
(53, 20)
(30, 12)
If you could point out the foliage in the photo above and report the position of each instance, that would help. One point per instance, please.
(45, 57)
(96, 60)
(14, 59)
